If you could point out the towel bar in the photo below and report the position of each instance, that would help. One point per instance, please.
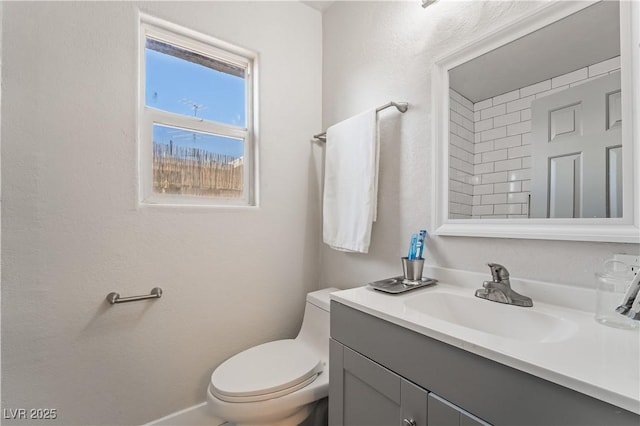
(113, 298)
(401, 106)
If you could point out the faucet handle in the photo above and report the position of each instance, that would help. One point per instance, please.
(498, 272)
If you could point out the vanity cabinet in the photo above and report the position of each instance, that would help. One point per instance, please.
(368, 394)
(384, 374)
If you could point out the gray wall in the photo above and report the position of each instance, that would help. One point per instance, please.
(380, 51)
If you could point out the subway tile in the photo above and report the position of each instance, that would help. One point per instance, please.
(477, 158)
(507, 209)
(462, 154)
(569, 78)
(494, 199)
(457, 141)
(494, 155)
(459, 209)
(604, 66)
(480, 210)
(494, 216)
(483, 147)
(506, 97)
(455, 117)
(519, 128)
(498, 132)
(459, 197)
(494, 177)
(462, 187)
(459, 216)
(465, 102)
(482, 168)
(476, 137)
(519, 151)
(483, 125)
(454, 96)
(520, 104)
(476, 200)
(461, 165)
(514, 164)
(483, 189)
(519, 175)
(483, 104)
(525, 114)
(535, 88)
(503, 120)
(508, 142)
(468, 124)
(459, 175)
(507, 187)
(464, 111)
(518, 216)
(526, 185)
(526, 139)
(464, 133)
(493, 111)
(518, 197)
(476, 180)
(552, 91)
(476, 116)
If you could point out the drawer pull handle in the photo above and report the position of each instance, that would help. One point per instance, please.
(408, 422)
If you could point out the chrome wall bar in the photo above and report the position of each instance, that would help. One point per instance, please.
(401, 106)
(113, 298)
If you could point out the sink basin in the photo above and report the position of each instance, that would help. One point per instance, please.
(512, 322)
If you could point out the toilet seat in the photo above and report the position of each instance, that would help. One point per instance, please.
(266, 371)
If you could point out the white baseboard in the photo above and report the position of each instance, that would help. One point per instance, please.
(198, 415)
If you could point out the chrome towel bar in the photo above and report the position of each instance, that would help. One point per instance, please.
(113, 298)
(401, 106)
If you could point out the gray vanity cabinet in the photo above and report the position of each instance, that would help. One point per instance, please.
(443, 413)
(384, 374)
(367, 394)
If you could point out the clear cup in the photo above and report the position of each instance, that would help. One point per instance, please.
(611, 286)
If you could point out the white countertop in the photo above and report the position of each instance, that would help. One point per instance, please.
(596, 360)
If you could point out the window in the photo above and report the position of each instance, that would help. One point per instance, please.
(197, 140)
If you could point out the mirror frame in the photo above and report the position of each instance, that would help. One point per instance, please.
(625, 229)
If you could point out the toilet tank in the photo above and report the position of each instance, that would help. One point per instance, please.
(315, 324)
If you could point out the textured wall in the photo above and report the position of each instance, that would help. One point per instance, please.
(378, 51)
(72, 231)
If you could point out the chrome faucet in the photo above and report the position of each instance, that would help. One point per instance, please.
(499, 290)
(631, 302)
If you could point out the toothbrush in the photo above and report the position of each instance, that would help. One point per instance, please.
(412, 247)
(631, 300)
(420, 244)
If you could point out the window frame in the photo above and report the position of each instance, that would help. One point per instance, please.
(155, 28)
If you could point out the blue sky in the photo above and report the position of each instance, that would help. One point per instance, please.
(182, 87)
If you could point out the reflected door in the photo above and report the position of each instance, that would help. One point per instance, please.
(576, 140)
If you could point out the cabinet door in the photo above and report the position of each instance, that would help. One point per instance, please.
(362, 392)
(443, 413)
(414, 404)
(371, 392)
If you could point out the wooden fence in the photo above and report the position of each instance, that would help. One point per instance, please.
(192, 171)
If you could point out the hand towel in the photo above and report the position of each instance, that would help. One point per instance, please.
(350, 183)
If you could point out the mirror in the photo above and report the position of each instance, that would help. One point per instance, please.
(535, 128)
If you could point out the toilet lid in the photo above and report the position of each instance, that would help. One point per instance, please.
(265, 371)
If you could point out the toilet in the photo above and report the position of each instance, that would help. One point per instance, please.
(277, 383)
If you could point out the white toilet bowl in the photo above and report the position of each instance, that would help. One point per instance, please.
(280, 382)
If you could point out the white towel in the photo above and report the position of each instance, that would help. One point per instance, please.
(351, 183)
